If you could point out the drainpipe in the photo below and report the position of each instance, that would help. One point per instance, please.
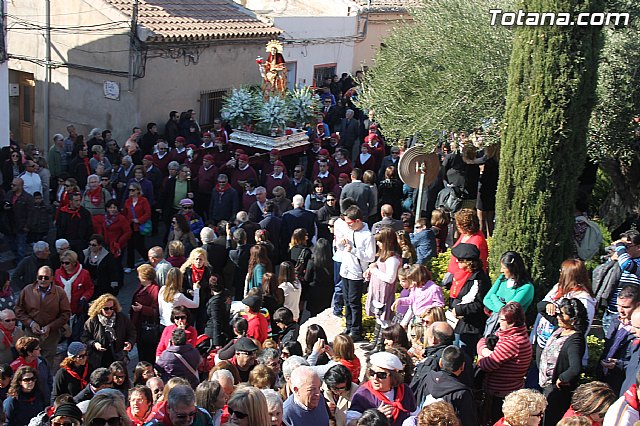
(132, 46)
(47, 74)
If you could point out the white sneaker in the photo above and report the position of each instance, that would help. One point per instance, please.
(127, 270)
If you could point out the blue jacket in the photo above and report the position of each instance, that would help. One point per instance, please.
(425, 244)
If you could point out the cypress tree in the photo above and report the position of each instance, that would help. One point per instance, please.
(550, 94)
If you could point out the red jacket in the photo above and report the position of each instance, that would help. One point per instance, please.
(115, 236)
(81, 288)
(192, 337)
(142, 210)
(258, 327)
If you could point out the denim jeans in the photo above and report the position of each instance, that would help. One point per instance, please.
(338, 300)
(353, 304)
(18, 243)
(606, 321)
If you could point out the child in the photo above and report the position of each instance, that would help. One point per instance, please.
(240, 327)
(344, 353)
(423, 240)
(258, 323)
(440, 228)
(424, 293)
(283, 317)
(401, 311)
(291, 288)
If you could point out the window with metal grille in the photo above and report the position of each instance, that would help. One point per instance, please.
(210, 106)
(322, 72)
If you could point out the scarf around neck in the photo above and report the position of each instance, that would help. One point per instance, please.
(631, 397)
(7, 338)
(75, 375)
(110, 219)
(95, 196)
(196, 274)
(74, 213)
(108, 324)
(396, 404)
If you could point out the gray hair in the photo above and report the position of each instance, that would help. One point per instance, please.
(127, 158)
(181, 395)
(297, 201)
(4, 312)
(40, 246)
(267, 354)
(61, 242)
(156, 252)
(240, 235)
(261, 189)
(94, 176)
(222, 374)
(301, 375)
(273, 399)
(291, 363)
(173, 165)
(58, 137)
(95, 132)
(242, 216)
(207, 235)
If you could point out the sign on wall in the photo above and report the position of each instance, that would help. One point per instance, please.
(111, 90)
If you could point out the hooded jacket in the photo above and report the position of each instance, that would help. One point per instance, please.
(446, 387)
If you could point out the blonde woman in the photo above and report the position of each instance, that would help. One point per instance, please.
(108, 333)
(196, 272)
(170, 295)
(248, 406)
(524, 407)
(105, 407)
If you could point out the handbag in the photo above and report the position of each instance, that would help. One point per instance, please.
(144, 228)
(150, 333)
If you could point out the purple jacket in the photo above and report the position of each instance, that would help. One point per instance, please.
(170, 364)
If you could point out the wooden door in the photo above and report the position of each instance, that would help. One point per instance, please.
(27, 108)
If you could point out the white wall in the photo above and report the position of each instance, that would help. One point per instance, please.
(317, 51)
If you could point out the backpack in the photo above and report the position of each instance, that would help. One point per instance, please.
(300, 267)
(450, 199)
(590, 244)
(605, 279)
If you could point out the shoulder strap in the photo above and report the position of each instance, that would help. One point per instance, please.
(133, 211)
(186, 364)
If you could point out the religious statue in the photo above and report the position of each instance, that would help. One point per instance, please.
(273, 70)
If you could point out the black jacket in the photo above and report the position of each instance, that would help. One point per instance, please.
(64, 383)
(471, 315)
(461, 174)
(108, 270)
(27, 271)
(240, 258)
(569, 364)
(76, 230)
(217, 257)
(447, 387)
(430, 365)
(95, 332)
(199, 313)
(615, 376)
(217, 327)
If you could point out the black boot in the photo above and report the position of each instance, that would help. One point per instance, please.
(372, 345)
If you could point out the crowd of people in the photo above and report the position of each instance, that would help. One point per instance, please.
(247, 247)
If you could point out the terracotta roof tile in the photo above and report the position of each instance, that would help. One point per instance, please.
(190, 20)
(390, 5)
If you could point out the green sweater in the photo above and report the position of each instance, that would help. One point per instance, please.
(500, 294)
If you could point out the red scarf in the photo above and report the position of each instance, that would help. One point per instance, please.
(86, 165)
(196, 274)
(8, 337)
(82, 380)
(459, 280)
(73, 213)
(95, 196)
(397, 404)
(631, 397)
(222, 187)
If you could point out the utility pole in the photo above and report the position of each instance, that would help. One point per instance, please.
(132, 43)
(47, 73)
(4, 77)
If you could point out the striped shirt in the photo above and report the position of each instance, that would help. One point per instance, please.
(630, 275)
(508, 363)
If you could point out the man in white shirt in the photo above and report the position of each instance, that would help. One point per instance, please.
(357, 249)
(31, 179)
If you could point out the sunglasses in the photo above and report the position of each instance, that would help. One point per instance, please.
(339, 388)
(93, 245)
(98, 421)
(108, 308)
(238, 414)
(10, 320)
(80, 356)
(330, 199)
(381, 375)
(44, 277)
(71, 423)
(119, 377)
(180, 317)
(187, 208)
(29, 379)
(132, 189)
(539, 415)
(193, 414)
(66, 262)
